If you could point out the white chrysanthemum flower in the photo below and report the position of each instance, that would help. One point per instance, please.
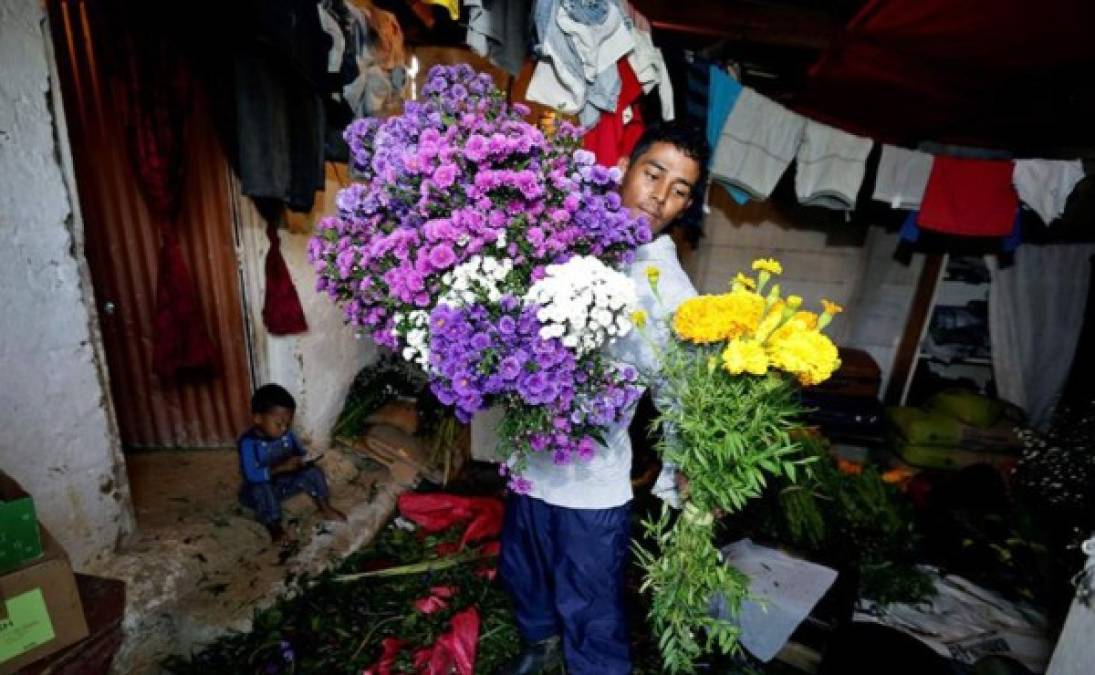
(584, 302)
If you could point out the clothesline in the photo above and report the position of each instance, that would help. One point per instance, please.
(759, 138)
(595, 59)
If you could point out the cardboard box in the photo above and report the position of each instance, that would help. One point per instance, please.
(40, 609)
(19, 540)
(104, 608)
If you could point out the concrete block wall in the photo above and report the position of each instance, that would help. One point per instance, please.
(318, 366)
(819, 261)
(57, 431)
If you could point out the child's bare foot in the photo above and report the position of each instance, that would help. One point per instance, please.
(329, 512)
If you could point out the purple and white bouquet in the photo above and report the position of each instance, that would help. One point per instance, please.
(489, 254)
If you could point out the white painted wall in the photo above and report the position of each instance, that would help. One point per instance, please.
(317, 367)
(57, 432)
(875, 290)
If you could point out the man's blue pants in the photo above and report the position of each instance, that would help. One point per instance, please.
(564, 568)
(266, 498)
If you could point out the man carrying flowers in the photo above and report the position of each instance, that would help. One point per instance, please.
(565, 543)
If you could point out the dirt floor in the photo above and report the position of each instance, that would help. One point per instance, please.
(200, 565)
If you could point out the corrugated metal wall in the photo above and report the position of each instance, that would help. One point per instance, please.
(122, 244)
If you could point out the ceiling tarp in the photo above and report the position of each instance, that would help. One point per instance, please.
(1010, 74)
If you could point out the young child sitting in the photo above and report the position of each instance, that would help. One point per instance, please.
(272, 462)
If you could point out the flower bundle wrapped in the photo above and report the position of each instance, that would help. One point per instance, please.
(730, 374)
(488, 254)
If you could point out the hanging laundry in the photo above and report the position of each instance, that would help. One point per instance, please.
(830, 166)
(697, 78)
(902, 177)
(602, 97)
(969, 197)
(596, 32)
(498, 30)
(330, 25)
(280, 112)
(282, 313)
(382, 81)
(722, 93)
(647, 60)
(912, 239)
(757, 144)
(1044, 185)
(578, 42)
(616, 134)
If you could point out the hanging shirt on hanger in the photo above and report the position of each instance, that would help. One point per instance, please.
(830, 166)
(902, 177)
(757, 144)
(1044, 185)
(970, 197)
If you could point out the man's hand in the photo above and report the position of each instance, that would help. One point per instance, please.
(683, 490)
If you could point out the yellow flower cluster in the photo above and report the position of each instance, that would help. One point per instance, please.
(761, 332)
(715, 318)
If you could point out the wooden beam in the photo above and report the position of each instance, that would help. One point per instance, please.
(919, 314)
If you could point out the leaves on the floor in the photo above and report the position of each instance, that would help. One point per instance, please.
(330, 627)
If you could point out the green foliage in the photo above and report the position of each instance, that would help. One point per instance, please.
(388, 379)
(684, 574)
(851, 521)
(333, 627)
(730, 437)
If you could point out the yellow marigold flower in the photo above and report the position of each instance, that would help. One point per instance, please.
(805, 353)
(831, 308)
(807, 320)
(714, 318)
(742, 282)
(744, 356)
(638, 318)
(770, 265)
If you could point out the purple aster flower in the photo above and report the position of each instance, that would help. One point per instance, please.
(519, 485)
(444, 176)
(442, 256)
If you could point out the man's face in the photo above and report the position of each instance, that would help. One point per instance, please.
(659, 184)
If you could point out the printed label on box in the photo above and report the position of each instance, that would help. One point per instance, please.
(27, 625)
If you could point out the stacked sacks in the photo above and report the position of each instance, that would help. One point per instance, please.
(954, 429)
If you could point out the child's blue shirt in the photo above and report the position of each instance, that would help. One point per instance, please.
(258, 454)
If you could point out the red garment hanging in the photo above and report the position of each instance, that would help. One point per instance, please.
(969, 197)
(615, 134)
(281, 309)
(156, 92)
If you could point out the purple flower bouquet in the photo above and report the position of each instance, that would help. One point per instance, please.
(488, 254)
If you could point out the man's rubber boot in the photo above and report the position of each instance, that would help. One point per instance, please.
(543, 657)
